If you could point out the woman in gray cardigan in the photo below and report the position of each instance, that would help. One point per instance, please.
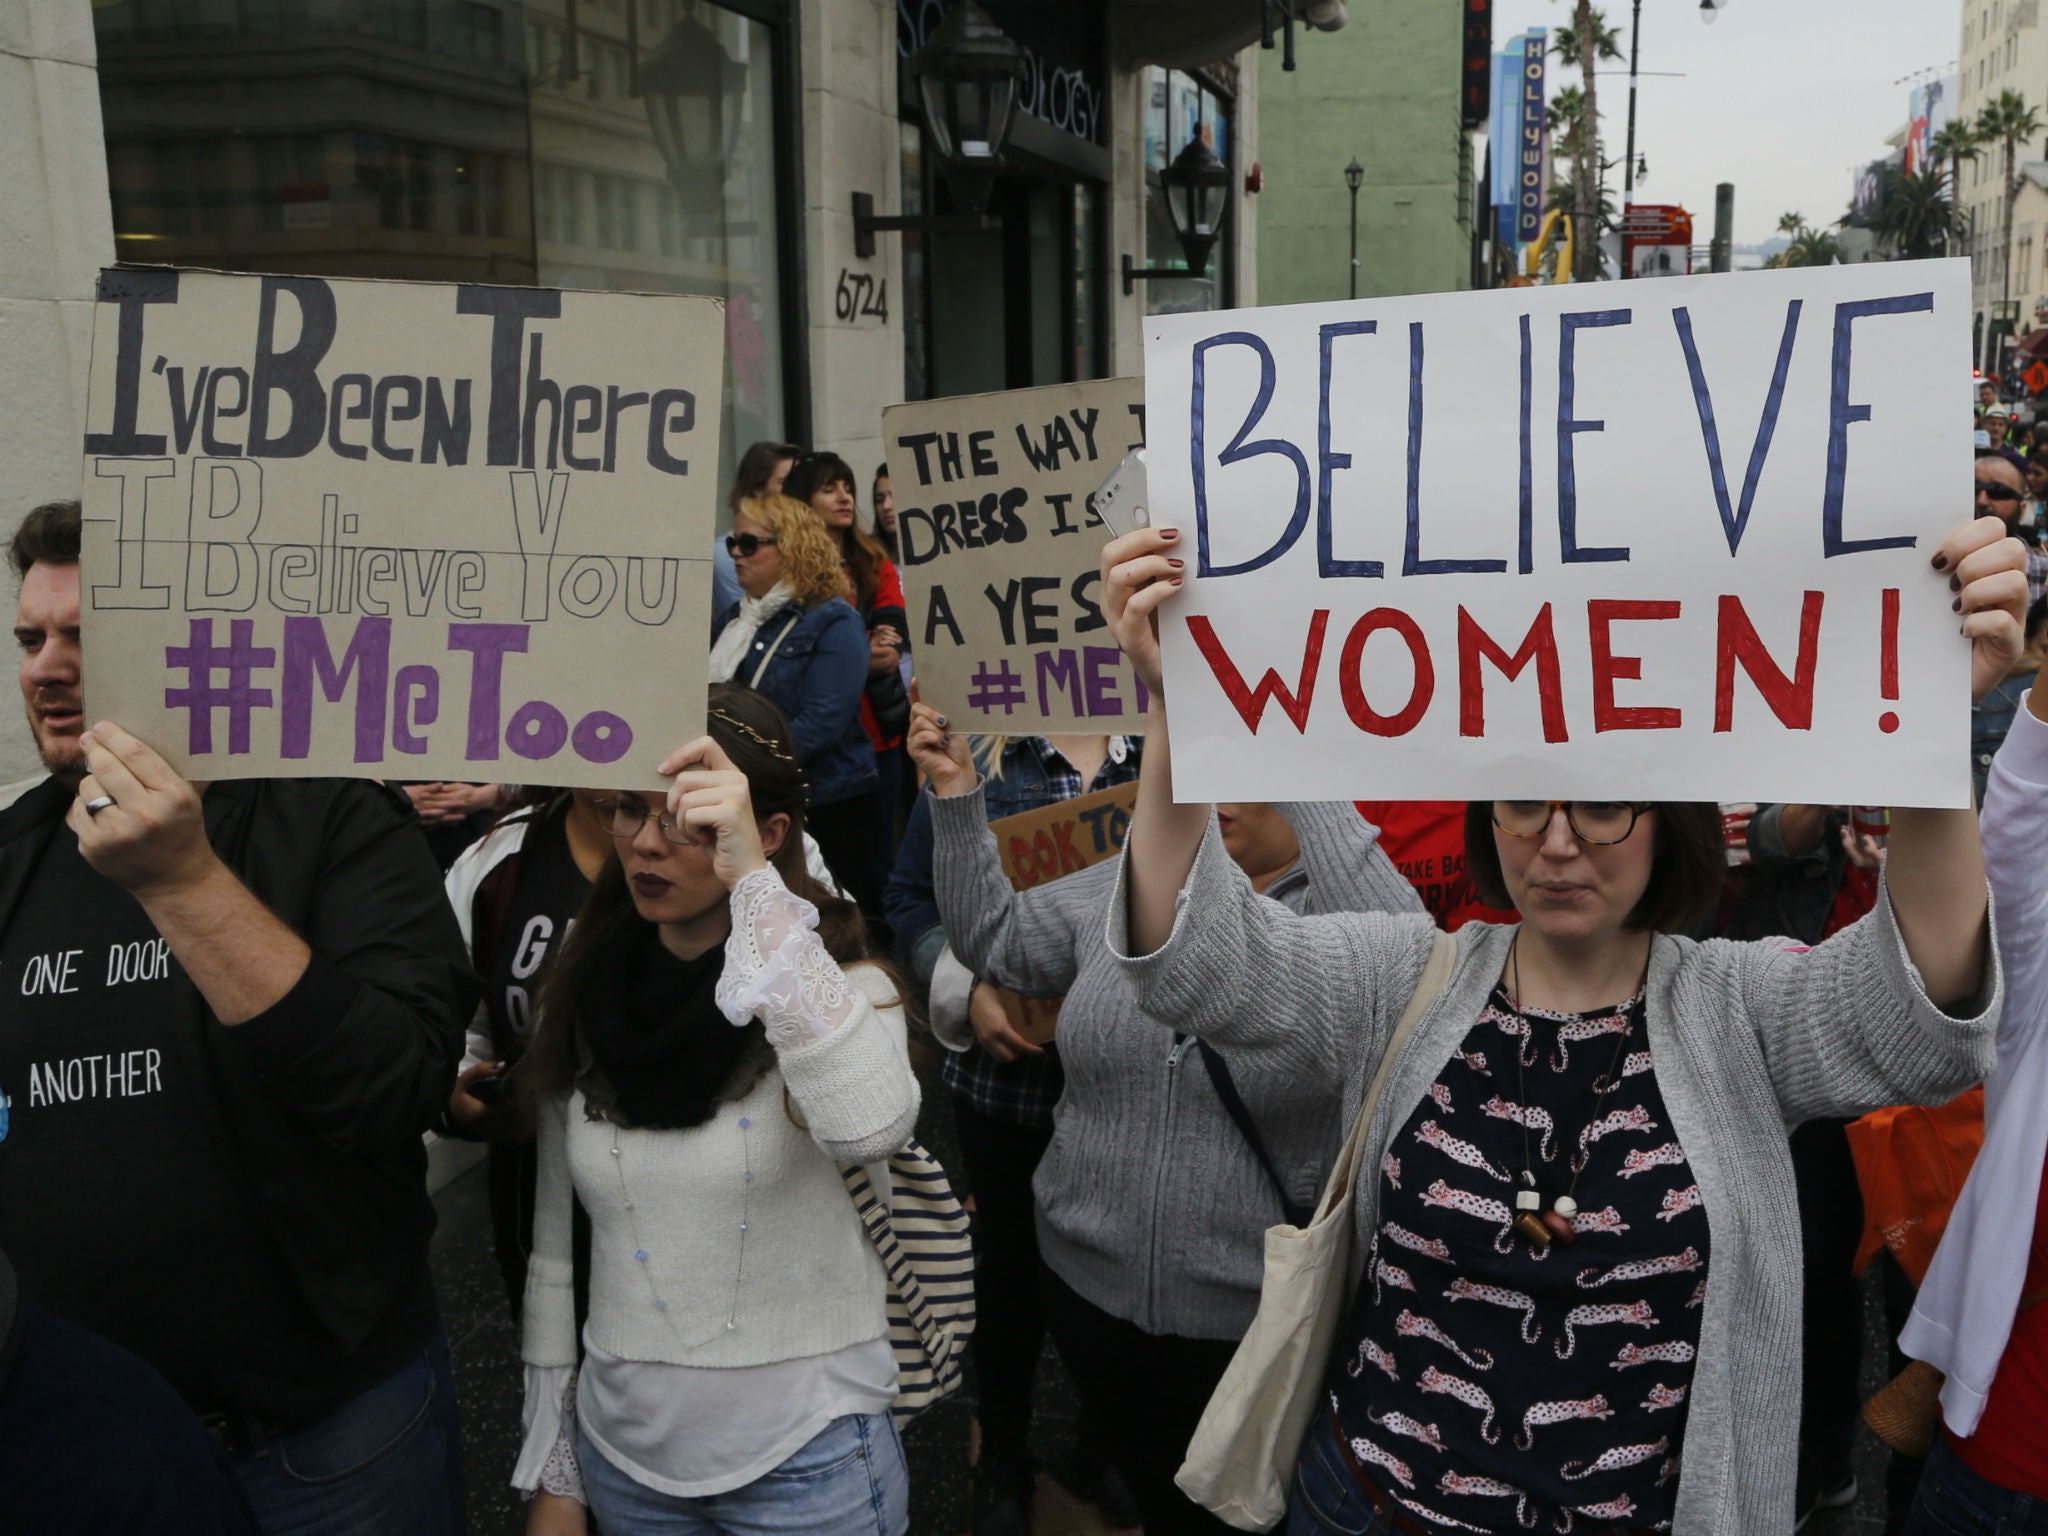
(1150, 1202)
(1576, 1286)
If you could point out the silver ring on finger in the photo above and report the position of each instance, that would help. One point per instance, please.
(99, 803)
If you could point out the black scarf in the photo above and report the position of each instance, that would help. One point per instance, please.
(662, 1055)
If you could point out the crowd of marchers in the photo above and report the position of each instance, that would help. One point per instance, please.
(1616, 1104)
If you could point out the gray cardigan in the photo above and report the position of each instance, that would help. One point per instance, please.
(1748, 1040)
(1149, 1202)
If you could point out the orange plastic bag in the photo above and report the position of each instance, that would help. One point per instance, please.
(1911, 1163)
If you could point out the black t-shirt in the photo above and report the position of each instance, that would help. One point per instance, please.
(546, 897)
(123, 1205)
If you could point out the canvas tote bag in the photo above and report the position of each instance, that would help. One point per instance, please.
(1242, 1457)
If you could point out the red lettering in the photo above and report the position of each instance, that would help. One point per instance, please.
(1601, 614)
(1063, 846)
(1251, 704)
(1023, 867)
(1540, 644)
(1790, 699)
(1045, 855)
(1362, 714)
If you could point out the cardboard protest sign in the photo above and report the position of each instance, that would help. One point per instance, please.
(1042, 845)
(1665, 540)
(399, 530)
(1002, 554)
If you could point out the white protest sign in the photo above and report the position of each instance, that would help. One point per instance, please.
(1002, 554)
(1636, 540)
(399, 530)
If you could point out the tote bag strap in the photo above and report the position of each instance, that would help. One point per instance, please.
(761, 666)
(1436, 977)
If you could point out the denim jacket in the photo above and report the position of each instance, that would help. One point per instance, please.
(817, 675)
(1990, 719)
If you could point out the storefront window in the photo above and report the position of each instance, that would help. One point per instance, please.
(618, 144)
(1180, 108)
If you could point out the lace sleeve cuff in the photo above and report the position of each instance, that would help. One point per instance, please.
(777, 969)
(547, 1455)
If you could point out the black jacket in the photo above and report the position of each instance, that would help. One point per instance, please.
(327, 1093)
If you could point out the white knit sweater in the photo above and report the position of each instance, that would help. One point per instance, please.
(800, 1279)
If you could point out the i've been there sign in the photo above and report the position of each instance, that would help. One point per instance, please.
(399, 530)
(1630, 540)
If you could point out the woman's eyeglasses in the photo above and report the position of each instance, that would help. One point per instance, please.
(748, 544)
(1602, 823)
(623, 819)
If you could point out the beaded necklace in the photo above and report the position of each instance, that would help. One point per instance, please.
(1539, 1226)
(641, 1253)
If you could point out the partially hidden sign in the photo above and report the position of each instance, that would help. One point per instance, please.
(1002, 552)
(1043, 845)
(399, 530)
(1625, 541)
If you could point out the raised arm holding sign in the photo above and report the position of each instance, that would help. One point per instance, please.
(1589, 1104)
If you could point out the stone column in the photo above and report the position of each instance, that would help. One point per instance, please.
(58, 232)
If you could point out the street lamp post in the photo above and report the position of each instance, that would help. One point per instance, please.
(1354, 178)
(1635, 53)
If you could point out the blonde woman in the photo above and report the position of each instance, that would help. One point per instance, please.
(794, 637)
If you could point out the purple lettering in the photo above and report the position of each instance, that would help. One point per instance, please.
(422, 683)
(537, 731)
(601, 737)
(487, 645)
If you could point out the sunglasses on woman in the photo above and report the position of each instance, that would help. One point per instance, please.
(745, 543)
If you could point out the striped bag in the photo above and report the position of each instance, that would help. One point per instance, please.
(920, 1234)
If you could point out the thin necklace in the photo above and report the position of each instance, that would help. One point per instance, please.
(1539, 1226)
(642, 1255)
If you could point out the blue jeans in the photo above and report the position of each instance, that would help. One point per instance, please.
(388, 1461)
(1326, 1500)
(1954, 1501)
(850, 1479)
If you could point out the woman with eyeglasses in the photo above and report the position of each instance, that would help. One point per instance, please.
(795, 637)
(1575, 1285)
(825, 481)
(712, 1044)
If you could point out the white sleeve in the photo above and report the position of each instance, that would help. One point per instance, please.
(776, 967)
(952, 989)
(547, 1447)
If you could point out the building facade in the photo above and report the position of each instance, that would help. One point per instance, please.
(1385, 92)
(687, 146)
(2003, 48)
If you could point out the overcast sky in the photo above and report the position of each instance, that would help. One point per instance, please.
(1782, 97)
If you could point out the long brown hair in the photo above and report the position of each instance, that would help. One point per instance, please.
(864, 554)
(757, 468)
(755, 734)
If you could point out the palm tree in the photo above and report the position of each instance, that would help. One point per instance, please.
(2008, 122)
(1916, 217)
(1809, 247)
(1586, 166)
(1564, 42)
(1956, 142)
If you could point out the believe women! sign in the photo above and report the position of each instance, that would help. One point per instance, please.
(399, 530)
(1611, 541)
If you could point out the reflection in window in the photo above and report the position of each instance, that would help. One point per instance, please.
(620, 144)
(1179, 108)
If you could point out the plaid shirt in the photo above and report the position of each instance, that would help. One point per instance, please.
(1024, 1092)
(2037, 575)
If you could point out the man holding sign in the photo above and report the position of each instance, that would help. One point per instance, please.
(1570, 1286)
(232, 1012)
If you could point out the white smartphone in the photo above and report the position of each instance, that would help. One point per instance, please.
(1121, 501)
